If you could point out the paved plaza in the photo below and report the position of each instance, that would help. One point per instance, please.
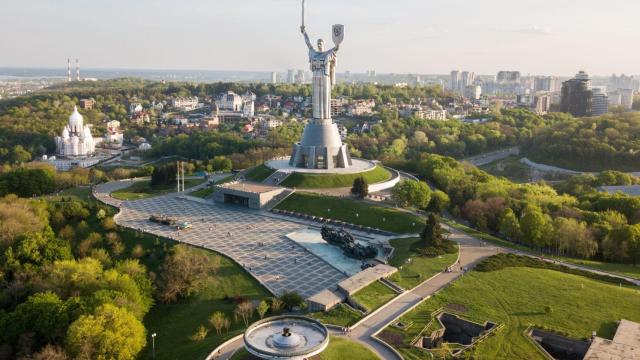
(255, 241)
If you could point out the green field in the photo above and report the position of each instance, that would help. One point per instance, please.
(259, 173)
(315, 181)
(345, 210)
(374, 295)
(628, 270)
(517, 297)
(341, 315)
(175, 323)
(143, 189)
(203, 193)
(337, 349)
(420, 267)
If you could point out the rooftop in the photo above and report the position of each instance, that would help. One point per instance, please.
(625, 344)
(248, 186)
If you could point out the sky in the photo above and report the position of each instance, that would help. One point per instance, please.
(556, 37)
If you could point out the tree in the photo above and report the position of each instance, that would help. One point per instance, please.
(44, 314)
(536, 227)
(439, 202)
(432, 233)
(243, 311)
(221, 163)
(200, 334)
(111, 333)
(360, 187)
(26, 182)
(509, 225)
(276, 305)
(183, 272)
(411, 193)
(574, 237)
(291, 300)
(262, 308)
(217, 320)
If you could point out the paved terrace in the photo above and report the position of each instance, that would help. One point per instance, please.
(279, 263)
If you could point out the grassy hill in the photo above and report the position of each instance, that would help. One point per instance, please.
(324, 181)
(517, 297)
(345, 210)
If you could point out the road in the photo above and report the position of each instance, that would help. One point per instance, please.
(490, 157)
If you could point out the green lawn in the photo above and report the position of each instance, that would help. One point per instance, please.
(259, 173)
(341, 315)
(175, 323)
(419, 268)
(337, 349)
(628, 270)
(345, 210)
(517, 297)
(203, 193)
(374, 295)
(316, 181)
(143, 189)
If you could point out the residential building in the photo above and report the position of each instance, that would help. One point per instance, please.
(230, 101)
(454, 80)
(546, 83)
(361, 107)
(87, 104)
(431, 114)
(185, 103)
(507, 77)
(472, 92)
(291, 76)
(135, 107)
(274, 77)
(115, 136)
(541, 104)
(577, 95)
(600, 104)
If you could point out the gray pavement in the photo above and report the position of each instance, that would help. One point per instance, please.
(256, 242)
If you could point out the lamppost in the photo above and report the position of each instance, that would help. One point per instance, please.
(153, 344)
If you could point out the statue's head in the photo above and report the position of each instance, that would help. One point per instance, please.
(320, 45)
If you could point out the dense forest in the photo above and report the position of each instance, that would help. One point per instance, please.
(579, 222)
(609, 142)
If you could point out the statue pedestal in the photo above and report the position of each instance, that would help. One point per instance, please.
(320, 148)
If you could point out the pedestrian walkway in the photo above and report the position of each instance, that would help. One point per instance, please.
(256, 242)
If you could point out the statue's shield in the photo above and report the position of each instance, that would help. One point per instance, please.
(338, 34)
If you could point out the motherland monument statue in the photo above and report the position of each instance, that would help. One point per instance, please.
(321, 146)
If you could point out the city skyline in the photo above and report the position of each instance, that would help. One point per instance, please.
(262, 35)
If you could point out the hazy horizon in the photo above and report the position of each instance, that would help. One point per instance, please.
(556, 37)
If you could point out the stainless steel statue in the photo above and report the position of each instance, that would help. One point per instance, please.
(321, 146)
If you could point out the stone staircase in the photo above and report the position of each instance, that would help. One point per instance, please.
(278, 199)
(392, 285)
(276, 178)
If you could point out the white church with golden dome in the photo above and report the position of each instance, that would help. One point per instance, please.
(76, 139)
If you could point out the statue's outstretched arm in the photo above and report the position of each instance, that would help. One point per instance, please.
(306, 37)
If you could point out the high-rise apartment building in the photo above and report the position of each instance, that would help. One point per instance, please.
(577, 95)
(600, 102)
(454, 80)
(508, 77)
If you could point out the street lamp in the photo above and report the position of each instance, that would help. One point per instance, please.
(153, 346)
